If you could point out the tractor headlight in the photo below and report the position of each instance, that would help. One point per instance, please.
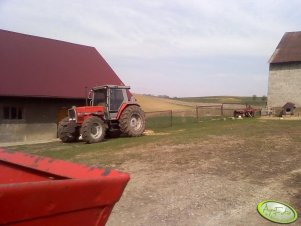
(72, 114)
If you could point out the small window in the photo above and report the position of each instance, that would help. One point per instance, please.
(6, 112)
(20, 113)
(12, 113)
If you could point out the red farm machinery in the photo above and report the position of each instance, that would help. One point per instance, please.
(113, 111)
(36, 191)
(246, 112)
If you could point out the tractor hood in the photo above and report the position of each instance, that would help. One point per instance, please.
(81, 113)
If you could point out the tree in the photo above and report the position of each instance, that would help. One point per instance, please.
(254, 97)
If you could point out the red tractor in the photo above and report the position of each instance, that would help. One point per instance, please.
(112, 111)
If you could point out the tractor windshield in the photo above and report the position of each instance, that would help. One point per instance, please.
(100, 97)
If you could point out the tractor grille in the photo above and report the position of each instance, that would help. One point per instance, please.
(71, 114)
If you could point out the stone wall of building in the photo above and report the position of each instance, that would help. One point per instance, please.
(33, 118)
(284, 84)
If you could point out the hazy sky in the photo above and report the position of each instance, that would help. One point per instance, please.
(172, 47)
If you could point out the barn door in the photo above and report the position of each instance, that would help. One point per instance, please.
(62, 113)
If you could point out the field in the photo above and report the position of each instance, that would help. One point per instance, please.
(150, 104)
(257, 101)
(205, 173)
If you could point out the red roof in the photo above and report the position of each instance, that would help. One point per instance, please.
(288, 49)
(41, 67)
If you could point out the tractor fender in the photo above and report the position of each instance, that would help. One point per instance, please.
(97, 114)
(123, 107)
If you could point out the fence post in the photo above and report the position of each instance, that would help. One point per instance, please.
(197, 113)
(222, 109)
(170, 118)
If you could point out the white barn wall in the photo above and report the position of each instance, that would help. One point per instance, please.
(284, 84)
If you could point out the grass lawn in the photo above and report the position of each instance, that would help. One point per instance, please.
(106, 152)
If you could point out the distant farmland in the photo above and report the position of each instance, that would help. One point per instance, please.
(226, 99)
(152, 103)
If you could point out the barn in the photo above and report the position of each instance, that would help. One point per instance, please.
(40, 79)
(285, 75)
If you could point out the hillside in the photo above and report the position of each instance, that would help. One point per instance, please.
(226, 99)
(151, 103)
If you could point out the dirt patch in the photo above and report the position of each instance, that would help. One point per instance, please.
(152, 133)
(213, 182)
(280, 118)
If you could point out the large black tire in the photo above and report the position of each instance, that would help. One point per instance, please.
(93, 130)
(132, 121)
(68, 131)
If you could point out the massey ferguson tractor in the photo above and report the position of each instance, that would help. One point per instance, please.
(113, 111)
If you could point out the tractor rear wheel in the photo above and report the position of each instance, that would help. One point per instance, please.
(93, 130)
(68, 131)
(132, 121)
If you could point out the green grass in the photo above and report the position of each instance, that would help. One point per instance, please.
(226, 99)
(70, 150)
(114, 150)
(157, 123)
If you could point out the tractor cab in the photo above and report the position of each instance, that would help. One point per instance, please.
(113, 98)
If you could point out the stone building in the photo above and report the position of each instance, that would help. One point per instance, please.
(40, 79)
(285, 73)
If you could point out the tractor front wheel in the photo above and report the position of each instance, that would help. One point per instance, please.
(132, 121)
(68, 131)
(93, 130)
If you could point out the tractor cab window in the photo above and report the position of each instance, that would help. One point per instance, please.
(100, 97)
(116, 99)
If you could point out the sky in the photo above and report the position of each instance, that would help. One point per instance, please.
(179, 48)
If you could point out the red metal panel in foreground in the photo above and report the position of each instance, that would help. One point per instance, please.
(42, 191)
